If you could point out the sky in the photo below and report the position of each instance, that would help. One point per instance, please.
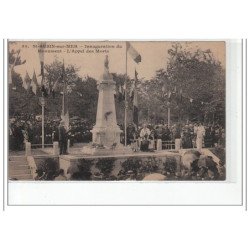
(90, 62)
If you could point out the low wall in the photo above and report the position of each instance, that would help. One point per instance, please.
(118, 167)
(167, 165)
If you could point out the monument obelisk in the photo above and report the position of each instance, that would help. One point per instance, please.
(106, 132)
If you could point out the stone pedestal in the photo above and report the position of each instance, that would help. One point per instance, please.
(199, 142)
(55, 148)
(27, 148)
(159, 145)
(177, 144)
(106, 132)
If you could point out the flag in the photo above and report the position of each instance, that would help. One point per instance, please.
(65, 110)
(34, 83)
(133, 53)
(54, 87)
(41, 46)
(12, 66)
(131, 93)
(27, 81)
(135, 102)
(121, 93)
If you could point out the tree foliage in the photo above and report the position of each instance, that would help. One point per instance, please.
(195, 79)
(196, 82)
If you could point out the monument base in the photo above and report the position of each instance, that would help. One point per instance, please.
(121, 150)
(98, 164)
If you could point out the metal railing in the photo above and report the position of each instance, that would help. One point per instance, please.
(168, 145)
(164, 145)
(35, 146)
(31, 149)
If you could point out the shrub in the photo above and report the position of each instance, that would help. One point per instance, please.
(105, 165)
(170, 165)
(47, 169)
(84, 170)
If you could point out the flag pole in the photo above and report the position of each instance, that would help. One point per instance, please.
(125, 115)
(43, 105)
(63, 99)
(43, 97)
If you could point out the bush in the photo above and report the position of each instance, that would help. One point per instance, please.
(105, 165)
(47, 169)
(84, 170)
(170, 165)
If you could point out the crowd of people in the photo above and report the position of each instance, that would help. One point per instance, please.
(29, 129)
(190, 135)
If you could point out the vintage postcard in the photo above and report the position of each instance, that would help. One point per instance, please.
(116, 110)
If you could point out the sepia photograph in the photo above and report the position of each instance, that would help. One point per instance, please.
(116, 110)
(124, 124)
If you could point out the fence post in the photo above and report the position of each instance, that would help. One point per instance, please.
(55, 148)
(159, 145)
(177, 144)
(68, 145)
(199, 143)
(27, 148)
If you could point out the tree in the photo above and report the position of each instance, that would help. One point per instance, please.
(195, 81)
(54, 73)
(83, 99)
(24, 101)
(14, 58)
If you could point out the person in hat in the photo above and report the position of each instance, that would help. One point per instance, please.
(63, 138)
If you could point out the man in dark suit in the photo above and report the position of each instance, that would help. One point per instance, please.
(63, 138)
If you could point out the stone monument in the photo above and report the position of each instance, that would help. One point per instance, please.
(106, 132)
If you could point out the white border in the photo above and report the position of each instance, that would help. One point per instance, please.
(228, 192)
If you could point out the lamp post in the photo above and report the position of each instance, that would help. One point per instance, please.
(147, 104)
(168, 94)
(169, 115)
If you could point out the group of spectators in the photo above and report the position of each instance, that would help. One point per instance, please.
(211, 134)
(29, 129)
(24, 129)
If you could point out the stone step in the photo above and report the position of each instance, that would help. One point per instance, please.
(18, 161)
(17, 157)
(21, 177)
(19, 171)
(18, 167)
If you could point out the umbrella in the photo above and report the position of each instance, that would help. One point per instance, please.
(155, 177)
